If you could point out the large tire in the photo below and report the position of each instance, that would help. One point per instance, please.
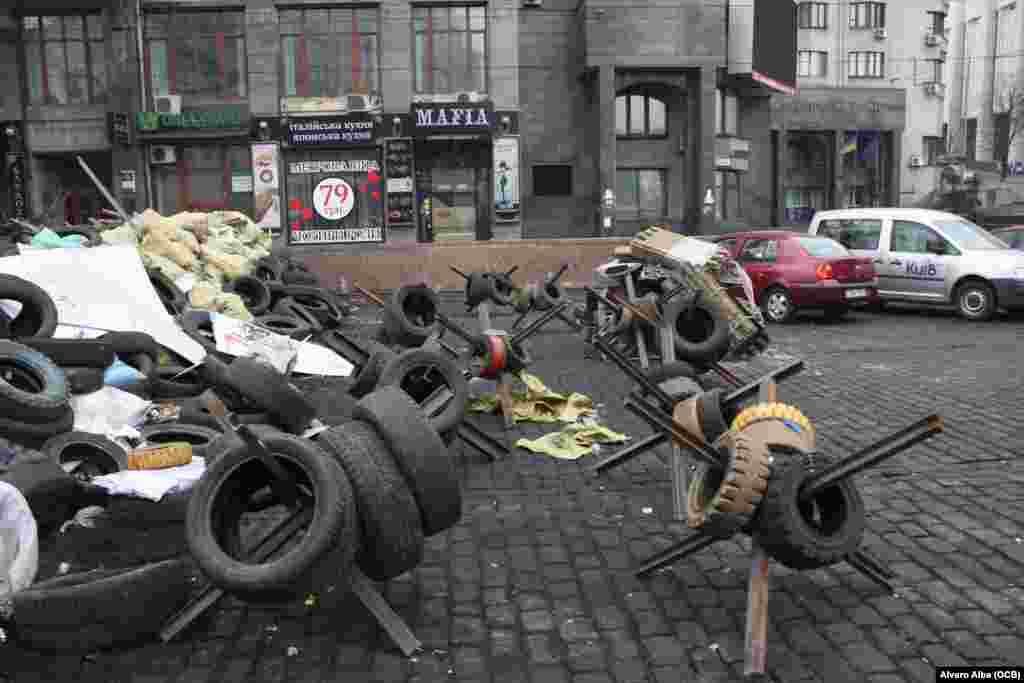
(53, 495)
(34, 433)
(90, 353)
(291, 307)
(421, 455)
(202, 439)
(127, 344)
(322, 304)
(285, 325)
(711, 416)
(268, 268)
(84, 380)
(254, 293)
(199, 326)
(271, 391)
(548, 295)
(101, 609)
(975, 301)
(791, 532)
(678, 380)
(230, 482)
(366, 377)
(38, 314)
(173, 299)
(411, 315)
(32, 387)
(702, 333)
(777, 424)
(479, 288)
(175, 381)
(392, 530)
(97, 454)
(418, 372)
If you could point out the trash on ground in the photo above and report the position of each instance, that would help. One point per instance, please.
(574, 441)
(538, 403)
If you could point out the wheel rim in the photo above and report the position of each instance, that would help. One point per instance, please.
(778, 305)
(974, 301)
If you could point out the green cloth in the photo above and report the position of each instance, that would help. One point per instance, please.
(538, 403)
(573, 441)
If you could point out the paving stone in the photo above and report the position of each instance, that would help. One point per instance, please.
(537, 620)
(867, 658)
(550, 674)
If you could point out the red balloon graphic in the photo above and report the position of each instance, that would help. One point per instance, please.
(372, 175)
(362, 188)
(376, 195)
(296, 204)
(307, 214)
(295, 226)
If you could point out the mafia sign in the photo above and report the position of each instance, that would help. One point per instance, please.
(452, 118)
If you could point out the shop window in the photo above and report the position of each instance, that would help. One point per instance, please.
(812, 63)
(66, 58)
(640, 116)
(909, 237)
(550, 180)
(640, 193)
(726, 113)
(204, 179)
(933, 148)
(331, 197)
(197, 54)
(727, 191)
(812, 15)
(862, 234)
(937, 23)
(866, 65)
(450, 45)
(867, 15)
(330, 52)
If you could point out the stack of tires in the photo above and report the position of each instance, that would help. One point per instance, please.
(370, 489)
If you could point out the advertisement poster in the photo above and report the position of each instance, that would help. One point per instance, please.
(334, 197)
(506, 174)
(266, 186)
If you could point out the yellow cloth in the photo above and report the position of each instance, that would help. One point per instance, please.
(572, 442)
(538, 403)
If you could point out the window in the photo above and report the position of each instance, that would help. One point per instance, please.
(201, 180)
(640, 193)
(330, 52)
(812, 63)
(970, 132)
(552, 180)
(970, 236)
(866, 65)
(937, 23)
(727, 191)
(640, 116)
(1013, 238)
(812, 15)
(859, 234)
(66, 59)
(450, 48)
(199, 55)
(933, 148)
(909, 237)
(867, 15)
(726, 113)
(932, 71)
(822, 247)
(760, 251)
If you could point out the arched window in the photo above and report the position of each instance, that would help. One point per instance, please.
(640, 116)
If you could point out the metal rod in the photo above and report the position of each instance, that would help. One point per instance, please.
(534, 327)
(692, 544)
(633, 372)
(519, 320)
(778, 374)
(676, 431)
(459, 272)
(725, 374)
(103, 189)
(865, 568)
(884, 448)
(569, 321)
(868, 559)
(283, 483)
(558, 276)
(508, 273)
(603, 299)
(631, 451)
(457, 329)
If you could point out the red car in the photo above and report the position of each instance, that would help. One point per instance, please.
(792, 271)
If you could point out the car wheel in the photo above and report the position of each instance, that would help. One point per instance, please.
(975, 301)
(778, 305)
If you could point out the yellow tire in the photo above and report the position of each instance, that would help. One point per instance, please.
(773, 411)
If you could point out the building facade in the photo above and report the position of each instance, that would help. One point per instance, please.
(390, 121)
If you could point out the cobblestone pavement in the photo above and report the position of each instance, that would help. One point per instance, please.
(536, 583)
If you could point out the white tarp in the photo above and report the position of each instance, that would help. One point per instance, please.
(102, 289)
(240, 338)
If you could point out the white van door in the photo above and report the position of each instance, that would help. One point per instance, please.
(913, 270)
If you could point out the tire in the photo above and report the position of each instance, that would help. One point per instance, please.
(173, 299)
(702, 333)
(201, 438)
(130, 343)
(84, 380)
(713, 422)
(290, 307)
(271, 391)
(268, 268)
(91, 353)
(411, 315)
(787, 529)
(38, 314)
(381, 336)
(975, 301)
(232, 479)
(479, 288)
(101, 609)
(299, 276)
(421, 455)
(34, 433)
(53, 495)
(324, 305)
(678, 380)
(193, 412)
(165, 382)
(778, 306)
(502, 290)
(418, 372)
(548, 295)
(392, 530)
(335, 341)
(777, 424)
(98, 454)
(285, 325)
(366, 377)
(37, 391)
(722, 501)
(254, 293)
(199, 326)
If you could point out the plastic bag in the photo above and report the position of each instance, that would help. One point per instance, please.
(19, 541)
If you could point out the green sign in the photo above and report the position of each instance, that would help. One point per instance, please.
(231, 116)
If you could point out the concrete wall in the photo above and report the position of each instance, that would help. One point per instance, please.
(756, 185)
(10, 74)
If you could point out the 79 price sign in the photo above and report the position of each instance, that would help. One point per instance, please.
(333, 199)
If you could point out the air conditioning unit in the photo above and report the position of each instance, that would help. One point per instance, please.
(916, 161)
(168, 104)
(881, 34)
(935, 89)
(533, 3)
(470, 97)
(162, 154)
(360, 102)
(931, 39)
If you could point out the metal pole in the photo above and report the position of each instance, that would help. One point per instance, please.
(103, 189)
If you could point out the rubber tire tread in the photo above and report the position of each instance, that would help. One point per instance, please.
(301, 330)
(100, 609)
(422, 457)
(38, 315)
(191, 322)
(368, 374)
(116, 455)
(187, 432)
(290, 307)
(173, 299)
(399, 366)
(163, 386)
(334, 525)
(392, 529)
(46, 405)
(709, 411)
(254, 292)
(400, 328)
(710, 350)
(84, 380)
(91, 353)
(335, 310)
(32, 432)
(268, 268)
(130, 343)
(271, 391)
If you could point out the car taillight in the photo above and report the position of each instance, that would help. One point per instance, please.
(823, 271)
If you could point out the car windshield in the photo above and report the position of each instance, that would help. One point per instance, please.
(822, 247)
(971, 237)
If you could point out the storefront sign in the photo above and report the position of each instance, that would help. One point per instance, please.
(266, 186)
(120, 129)
(331, 166)
(128, 184)
(430, 118)
(338, 236)
(355, 129)
(16, 174)
(227, 116)
(506, 174)
(333, 199)
(399, 185)
(831, 109)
